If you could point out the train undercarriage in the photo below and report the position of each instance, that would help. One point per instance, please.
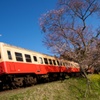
(15, 81)
(23, 80)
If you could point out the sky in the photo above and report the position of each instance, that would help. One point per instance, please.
(19, 23)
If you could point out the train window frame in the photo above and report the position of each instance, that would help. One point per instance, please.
(28, 58)
(41, 60)
(35, 58)
(54, 62)
(63, 64)
(45, 60)
(0, 55)
(50, 61)
(58, 62)
(9, 54)
(18, 56)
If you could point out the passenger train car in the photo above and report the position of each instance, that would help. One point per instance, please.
(21, 67)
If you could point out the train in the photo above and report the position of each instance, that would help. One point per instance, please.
(22, 67)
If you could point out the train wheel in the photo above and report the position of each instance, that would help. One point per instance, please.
(29, 80)
(32, 80)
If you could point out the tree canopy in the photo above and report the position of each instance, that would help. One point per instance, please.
(68, 33)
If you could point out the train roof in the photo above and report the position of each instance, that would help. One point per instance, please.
(17, 47)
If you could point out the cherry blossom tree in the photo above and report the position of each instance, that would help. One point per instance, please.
(68, 33)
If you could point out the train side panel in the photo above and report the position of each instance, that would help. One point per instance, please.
(15, 60)
(16, 67)
(3, 69)
(11, 66)
(21, 67)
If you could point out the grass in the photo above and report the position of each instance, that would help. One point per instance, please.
(69, 89)
(83, 91)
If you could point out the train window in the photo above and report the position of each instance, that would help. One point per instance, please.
(54, 62)
(35, 58)
(60, 63)
(57, 62)
(18, 56)
(9, 55)
(28, 58)
(50, 61)
(41, 61)
(45, 60)
(63, 63)
(67, 64)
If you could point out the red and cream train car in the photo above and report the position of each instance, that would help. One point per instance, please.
(20, 67)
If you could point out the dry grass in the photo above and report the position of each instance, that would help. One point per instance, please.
(49, 91)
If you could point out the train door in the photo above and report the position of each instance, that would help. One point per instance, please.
(40, 61)
(36, 62)
(10, 64)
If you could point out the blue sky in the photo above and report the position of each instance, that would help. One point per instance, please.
(19, 22)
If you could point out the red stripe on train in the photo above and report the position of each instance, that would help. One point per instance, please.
(18, 67)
